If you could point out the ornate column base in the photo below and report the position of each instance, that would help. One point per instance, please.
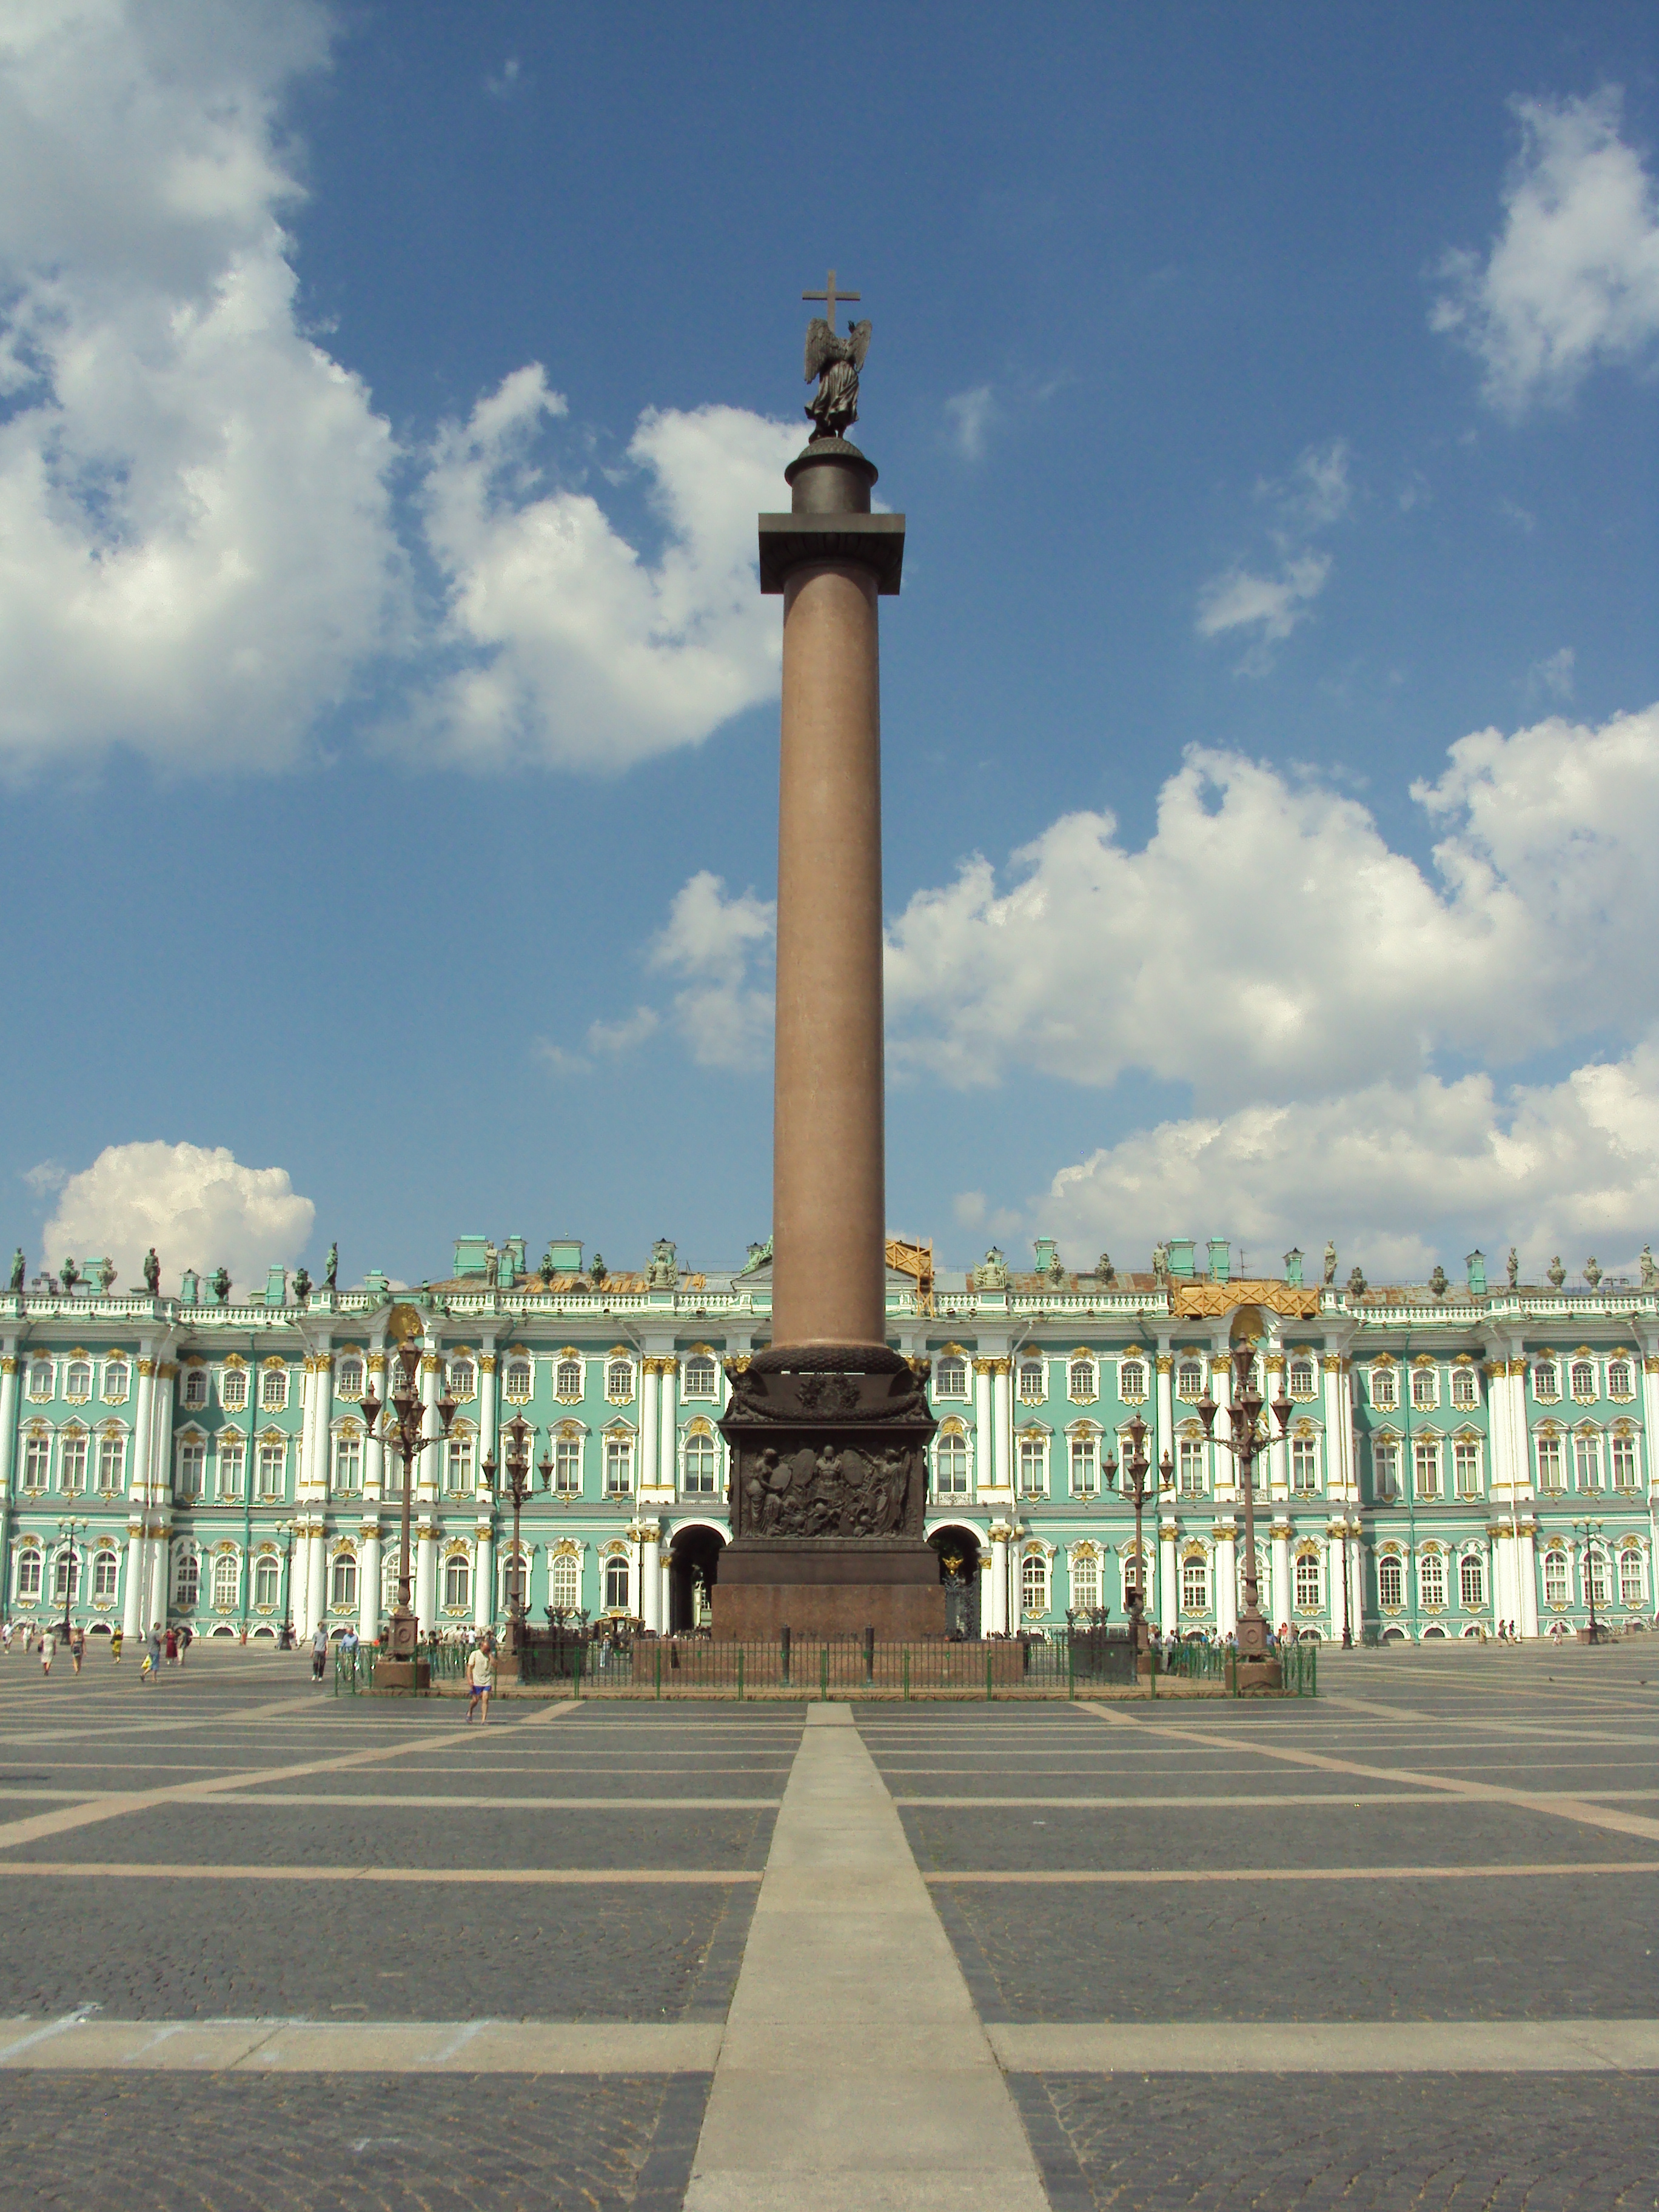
(828, 1489)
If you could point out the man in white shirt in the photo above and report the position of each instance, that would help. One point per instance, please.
(480, 1674)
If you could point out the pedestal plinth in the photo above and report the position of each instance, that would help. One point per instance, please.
(829, 1487)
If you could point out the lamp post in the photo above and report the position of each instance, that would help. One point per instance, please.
(404, 1417)
(516, 1436)
(1347, 1591)
(1136, 1490)
(1243, 1411)
(1591, 1532)
(285, 1633)
(67, 1531)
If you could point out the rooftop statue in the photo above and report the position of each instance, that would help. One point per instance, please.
(19, 1268)
(834, 358)
(1650, 1268)
(1513, 1267)
(1330, 1260)
(151, 1272)
(331, 1268)
(663, 1273)
(991, 1272)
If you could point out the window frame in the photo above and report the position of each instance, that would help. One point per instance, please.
(1033, 1577)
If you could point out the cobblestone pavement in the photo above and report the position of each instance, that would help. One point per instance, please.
(350, 2144)
(1373, 2142)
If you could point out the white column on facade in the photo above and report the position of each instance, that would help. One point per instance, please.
(368, 1582)
(487, 1407)
(1168, 1580)
(374, 1450)
(1282, 1593)
(429, 1475)
(143, 1434)
(1527, 1569)
(1226, 1577)
(667, 1456)
(651, 1575)
(317, 1578)
(1335, 1587)
(984, 1450)
(1002, 1425)
(484, 1573)
(1356, 1576)
(7, 1417)
(161, 1570)
(999, 1534)
(1335, 1409)
(650, 1421)
(132, 1598)
(1163, 1412)
(665, 1592)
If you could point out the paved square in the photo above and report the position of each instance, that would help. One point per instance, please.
(1394, 1947)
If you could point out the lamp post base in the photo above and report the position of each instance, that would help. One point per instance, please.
(1252, 1636)
(411, 1676)
(403, 1634)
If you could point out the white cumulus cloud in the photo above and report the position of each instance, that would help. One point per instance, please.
(1264, 604)
(1571, 281)
(720, 947)
(196, 553)
(199, 1208)
(574, 650)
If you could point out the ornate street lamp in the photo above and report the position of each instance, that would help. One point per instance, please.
(1591, 1532)
(405, 1417)
(285, 1632)
(67, 1531)
(1244, 1411)
(1136, 1491)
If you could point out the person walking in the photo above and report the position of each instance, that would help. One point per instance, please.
(185, 1634)
(48, 1646)
(480, 1674)
(173, 1647)
(156, 1648)
(118, 1638)
(319, 1652)
(78, 1645)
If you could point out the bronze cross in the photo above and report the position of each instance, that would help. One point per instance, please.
(829, 295)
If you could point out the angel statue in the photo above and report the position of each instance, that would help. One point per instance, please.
(835, 360)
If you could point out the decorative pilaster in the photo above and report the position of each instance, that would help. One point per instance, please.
(1002, 1425)
(650, 1422)
(1226, 1577)
(648, 1536)
(999, 1532)
(1168, 1580)
(983, 1420)
(667, 1402)
(374, 1449)
(1336, 1586)
(488, 1447)
(426, 1576)
(8, 1420)
(368, 1581)
(484, 1573)
(1163, 1416)
(1284, 1596)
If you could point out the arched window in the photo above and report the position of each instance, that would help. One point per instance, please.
(619, 1379)
(518, 1380)
(1195, 1586)
(1549, 1463)
(1584, 1379)
(1471, 1581)
(187, 1579)
(72, 1461)
(951, 1466)
(1033, 1381)
(64, 1566)
(1555, 1578)
(462, 1378)
(106, 1574)
(1463, 1391)
(273, 1390)
(1619, 1378)
(1305, 1463)
(1307, 1582)
(568, 1379)
(1085, 1467)
(1302, 1378)
(232, 1390)
(951, 1376)
(567, 1590)
(350, 1382)
(41, 1378)
(196, 1386)
(1630, 1575)
(1189, 1379)
(1595, 1575)
(1385, 1468)
(1190, 1462)
(1425, 1388)
(115, 1381)
(343, 1580)
(458, 1582)
(112, 1460)
(28, 1577)
(700, 1465)
(700, 1377)
(616, 1579)
(1132, 1381)
(193, 1468)
(1086, 1583)
(1080, 1379)
(1034, 1586)
(1390, 1590)
(348, 1463)
(1587, 1459)
(1382, 1387)
(567, 1465)
(77, 1379)
(1431, 1578)
(225, 1579)
(267, 1582)
(1623, 1460)
(1546, 1384)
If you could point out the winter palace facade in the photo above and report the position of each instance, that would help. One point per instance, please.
(1458, 1456)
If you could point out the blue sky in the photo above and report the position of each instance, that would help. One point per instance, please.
(387, 719)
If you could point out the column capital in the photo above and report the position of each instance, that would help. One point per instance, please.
(486, 1363)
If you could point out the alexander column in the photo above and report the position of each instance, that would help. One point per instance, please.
(828, 1426)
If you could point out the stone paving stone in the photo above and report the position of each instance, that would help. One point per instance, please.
(350, 2144)
(1527, 1949)
(167, 1950)
(1369, 2143)
(242, 1833)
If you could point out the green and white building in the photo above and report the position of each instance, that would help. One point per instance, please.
(1456, 1456)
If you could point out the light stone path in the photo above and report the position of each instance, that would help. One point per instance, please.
(854, 2073)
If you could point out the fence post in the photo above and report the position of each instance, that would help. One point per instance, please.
(783, 1653)
(1151, 1669)
(581, 1650)
(739, 1673)
(659, 1670)
(905, 1671)
(869, 1655)
(824, 1672)
(1071, 1665)
(988, 1674)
